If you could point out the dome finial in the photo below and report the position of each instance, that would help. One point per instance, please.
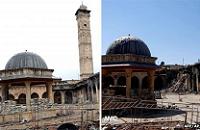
(25, 50)
(129, 34)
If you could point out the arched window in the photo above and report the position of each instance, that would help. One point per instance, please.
(158, 85)
(145, 83)
(11, 97)
(134, 85)
(67, 126)
(68, 97)
(22, 99)
(44, 95)
(107, 81)
(121, 81)
(57, 97)
(34, 95)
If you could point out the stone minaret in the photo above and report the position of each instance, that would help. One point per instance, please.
(84, 37)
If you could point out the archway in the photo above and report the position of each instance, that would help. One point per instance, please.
(158, 83)
(121, 81)
(44, 95)
(67, 126)
(34, 95)
(57, 97)
(120, 89)
(68, 99)
(22, 99)
(145, 83)
(107, 81)
(0, 99)
(11, 97)
(134, 86)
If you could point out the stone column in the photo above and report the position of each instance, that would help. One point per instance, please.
(73, 98)
(49, 91)
(62, 97)
(97, 91)
(28, 95)
(151, 81)
(4, 91)
(128, 83)
(140, 87)
(82, 96)
(90, 93)
(90, 86)
(85, 93)
(87, 96)
(115, 81)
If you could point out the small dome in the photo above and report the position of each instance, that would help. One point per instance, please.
(26, 60)
(129, 45)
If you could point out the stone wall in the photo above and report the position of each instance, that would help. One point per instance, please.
(28, 116)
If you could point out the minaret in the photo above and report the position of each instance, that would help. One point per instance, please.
(84, 38)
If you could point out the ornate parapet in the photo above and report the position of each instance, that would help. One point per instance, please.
(25, 72)
(127, 58)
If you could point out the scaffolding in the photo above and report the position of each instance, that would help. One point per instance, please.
(116, 103)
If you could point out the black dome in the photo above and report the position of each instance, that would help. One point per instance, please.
(26, 60)
(129, 45)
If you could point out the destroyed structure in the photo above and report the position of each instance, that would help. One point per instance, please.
(128, 69)
(178, 78)
(133, 87)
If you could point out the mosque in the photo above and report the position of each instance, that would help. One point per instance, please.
(134, 88)
(128, 69)
(26, 76)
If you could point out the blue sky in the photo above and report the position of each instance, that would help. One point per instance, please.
(170, 28)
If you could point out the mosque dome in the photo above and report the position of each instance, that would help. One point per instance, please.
(129, 45)
(26, 60)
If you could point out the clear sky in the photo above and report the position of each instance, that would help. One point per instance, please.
(48, 28)
(170, 28)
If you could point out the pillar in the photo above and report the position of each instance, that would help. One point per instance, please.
(92, 95)
(89, 92)
(151, 81)
(4, 91)
(115, 81)
(86, 95)
(81, 95)
(49, 91)
(128, 83)
(28, 95)
(62, 97)
(74, 97)
(90, 85)
(97, 91)
(140, 87)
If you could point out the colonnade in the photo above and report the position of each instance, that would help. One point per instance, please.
(5, 92)
(128, 74)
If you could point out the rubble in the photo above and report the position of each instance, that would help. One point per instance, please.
(10, 107)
